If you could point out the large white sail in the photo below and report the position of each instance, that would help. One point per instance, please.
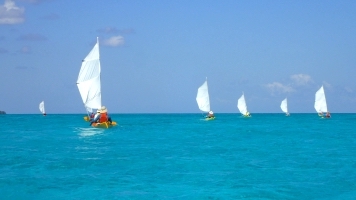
(89, 79)
(241, 105)
(203, 97)
(42, 107)
(284, 106)
(320, 101)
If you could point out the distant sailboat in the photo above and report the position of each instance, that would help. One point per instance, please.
(241, 105)
(203, 100)
(284, 107)
(89, 86)
(42, 108)
(320, 103)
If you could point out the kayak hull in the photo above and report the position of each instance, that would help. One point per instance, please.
(209, 118)
(101, 125)
(104, 125)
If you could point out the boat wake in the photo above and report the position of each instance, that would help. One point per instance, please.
(87, 132)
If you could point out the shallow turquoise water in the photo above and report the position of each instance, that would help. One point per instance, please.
(179, 156)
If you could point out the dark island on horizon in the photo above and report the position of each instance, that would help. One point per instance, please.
(2, 112)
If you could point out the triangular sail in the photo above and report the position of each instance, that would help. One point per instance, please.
(203, 97)
(284, 106)
(241, 105)
(42, 107)
(89, 79)
(320, 101)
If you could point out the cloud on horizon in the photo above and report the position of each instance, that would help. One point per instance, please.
(32, 37)
(11, 14)
(301, 79)
(277, 87)
(114, 41)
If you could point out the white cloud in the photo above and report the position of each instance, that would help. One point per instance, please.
(10, 13)
(114, 41)
(279, 87)
(301, 79)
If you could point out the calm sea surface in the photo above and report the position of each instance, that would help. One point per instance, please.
(179, 156)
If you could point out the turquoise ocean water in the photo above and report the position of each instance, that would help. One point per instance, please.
(179, 156)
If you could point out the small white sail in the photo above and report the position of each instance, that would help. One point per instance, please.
(284, 106)
(89, 79)
(320, 101)
(42, 107)
(203, 97)
(241, 105)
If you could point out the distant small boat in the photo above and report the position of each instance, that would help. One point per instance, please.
(242, 106)
(284, 107)
(320, 104)
(42, 108)
(203, 100)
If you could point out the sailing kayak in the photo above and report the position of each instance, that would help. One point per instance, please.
(101, 125)
(104, 125)
(209, 118)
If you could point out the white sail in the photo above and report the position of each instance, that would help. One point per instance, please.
(89, 79)
(42, 107)
(284, 106)
(203, 97)
(241, 105)
(320, 101)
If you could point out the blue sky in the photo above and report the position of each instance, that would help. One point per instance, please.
(155, 54)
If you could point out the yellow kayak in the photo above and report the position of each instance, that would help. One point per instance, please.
(104, 124)
(209, 118)
(101, 125)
